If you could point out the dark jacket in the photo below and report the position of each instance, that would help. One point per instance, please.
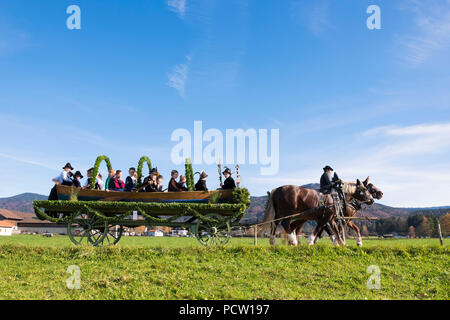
(97, 186)
(229, 183)
(326, 184)
(130, 184)
(76, 183)
(201, 185)
(174, 186)
(151, 187)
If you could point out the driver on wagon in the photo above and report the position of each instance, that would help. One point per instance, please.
(328, 181)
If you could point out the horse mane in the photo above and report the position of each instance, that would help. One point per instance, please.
(349, 187)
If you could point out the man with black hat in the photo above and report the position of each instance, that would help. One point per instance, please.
(229, 181)
(328, 181)
(64, 178)
(201, 183)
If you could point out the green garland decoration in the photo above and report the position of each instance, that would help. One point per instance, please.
(189, 175)
(98, 161)
(123, 209)
(241, 196)
(142, 160)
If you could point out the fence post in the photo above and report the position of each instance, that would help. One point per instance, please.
(440, 234)
(255, 231)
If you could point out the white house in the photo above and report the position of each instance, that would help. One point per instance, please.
(155, 233)
(7, 227)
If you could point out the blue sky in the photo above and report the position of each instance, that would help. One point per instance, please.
(367, 102)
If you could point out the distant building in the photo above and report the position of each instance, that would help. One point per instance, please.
(26, 222)
(179, 233)
(155, 233)
(7, 227)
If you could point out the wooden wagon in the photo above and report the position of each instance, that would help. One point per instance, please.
(98, 217)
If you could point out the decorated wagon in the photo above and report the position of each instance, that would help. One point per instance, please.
(99, 217)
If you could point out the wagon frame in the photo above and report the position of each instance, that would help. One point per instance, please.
(98, 218)
(99, 223)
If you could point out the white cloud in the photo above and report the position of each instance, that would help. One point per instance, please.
(177, 6)
(431, 32)
(178, 77)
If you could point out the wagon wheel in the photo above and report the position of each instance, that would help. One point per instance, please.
(110, 235)
(84, 229)
(213, 232)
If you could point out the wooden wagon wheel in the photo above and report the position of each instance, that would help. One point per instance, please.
(83, 228)
(110, 235)
(213, 232)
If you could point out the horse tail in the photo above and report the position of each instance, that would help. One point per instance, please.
(269, 214)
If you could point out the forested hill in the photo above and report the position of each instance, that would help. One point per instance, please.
(21, 202)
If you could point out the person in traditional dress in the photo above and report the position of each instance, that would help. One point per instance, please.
(328, 180)
(119, 185)
(159, 183)
(174, 186)
(87, 184)
(77, 179)
(150, 181)
(64, 178)
(201, 183)
(110, 180)
(229, 181)
(101, 184)
(131, 180)
(182, 183)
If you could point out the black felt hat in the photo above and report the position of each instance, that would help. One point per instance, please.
(68, 165)
(78, 174)
(202, 174)
(327, 168)
(227, 170)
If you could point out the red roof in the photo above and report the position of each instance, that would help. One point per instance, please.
(7, 223)
(11, 215)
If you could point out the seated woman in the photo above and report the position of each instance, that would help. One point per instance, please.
(182, 183)
(173, 184)
(159, 184)
(110, 180)
(229, 181)
(117, 183)
(201, 183)
(77, 179)
(131, 181)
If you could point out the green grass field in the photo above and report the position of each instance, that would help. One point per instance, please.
(35, 267)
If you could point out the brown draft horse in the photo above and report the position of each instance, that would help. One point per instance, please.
(288, 200)
(352, 208)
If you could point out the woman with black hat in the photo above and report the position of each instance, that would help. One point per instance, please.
(76, 179)
(229, 181)
(201, 183)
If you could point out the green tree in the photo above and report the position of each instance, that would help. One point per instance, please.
(425, 229)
